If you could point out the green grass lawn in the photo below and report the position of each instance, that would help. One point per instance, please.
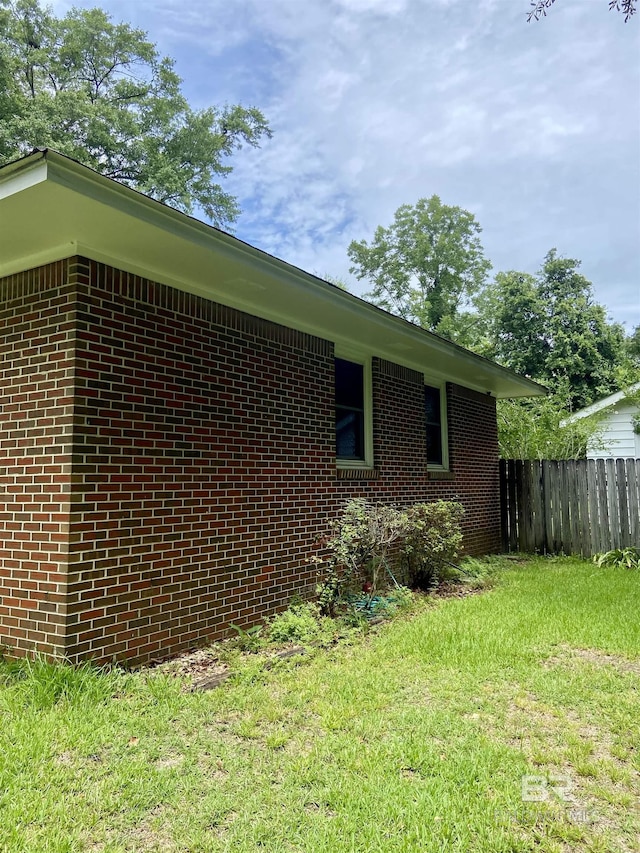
(421, 737)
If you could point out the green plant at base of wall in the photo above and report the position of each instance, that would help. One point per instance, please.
(249, 639)
(433, 539)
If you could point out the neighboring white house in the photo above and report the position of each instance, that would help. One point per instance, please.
(617, 436)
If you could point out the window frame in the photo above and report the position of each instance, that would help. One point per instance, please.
(363, 359)
(441, 386)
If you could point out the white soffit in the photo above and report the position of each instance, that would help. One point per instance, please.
(51, 208)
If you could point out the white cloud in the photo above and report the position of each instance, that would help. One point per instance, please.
(380, 7)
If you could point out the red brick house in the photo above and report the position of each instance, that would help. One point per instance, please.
(180, 413)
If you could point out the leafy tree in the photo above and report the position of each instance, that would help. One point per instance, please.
(100, 93)
(549, 327)
(511, 323)
(633, 344)
(424, 265)
(539, 8)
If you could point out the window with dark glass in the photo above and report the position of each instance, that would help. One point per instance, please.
(433, 416)
(349, 410)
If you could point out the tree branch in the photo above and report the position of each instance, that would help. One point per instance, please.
(539, 10)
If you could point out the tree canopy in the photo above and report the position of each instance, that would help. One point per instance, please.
(633, 343)
(550, 328)
(424, 265)
(100, 93)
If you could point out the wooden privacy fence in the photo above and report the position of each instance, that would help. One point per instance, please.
(583, 506)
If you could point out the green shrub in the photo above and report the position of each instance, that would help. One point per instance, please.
(432, 540)
(364, 538)
(248, 639)
(360, 545)
(367, 538)
(329, 589)
(299, 623)
(627, 558)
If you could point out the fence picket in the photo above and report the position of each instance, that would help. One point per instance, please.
(513, 506)
(504, 513)
(530, 515)
(547, 500)
(612, 495)
(538, 490)
(517, 482)
(583, 505)
(574, 508)
(554, 493)
(603, 504)
(524, 505)
(565, 509)
(594, 519)
(633, 480)
(623, 507)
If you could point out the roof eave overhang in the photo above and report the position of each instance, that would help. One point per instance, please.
(602, 405)
(52, 207)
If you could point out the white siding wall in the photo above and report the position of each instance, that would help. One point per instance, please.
(618, 438)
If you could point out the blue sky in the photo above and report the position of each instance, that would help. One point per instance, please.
(535, 128)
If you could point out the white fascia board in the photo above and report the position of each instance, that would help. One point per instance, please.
(22, 174)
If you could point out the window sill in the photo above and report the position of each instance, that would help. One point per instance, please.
(440, 475)
(357, 473)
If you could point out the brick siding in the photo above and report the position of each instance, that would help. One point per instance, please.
(37, 330)
(186, 463)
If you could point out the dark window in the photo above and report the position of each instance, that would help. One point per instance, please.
(433, 417)
(349, 410)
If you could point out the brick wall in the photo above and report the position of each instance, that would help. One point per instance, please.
(36, 412)
(202, 463)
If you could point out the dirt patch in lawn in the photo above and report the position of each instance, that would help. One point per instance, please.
(595, 657)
